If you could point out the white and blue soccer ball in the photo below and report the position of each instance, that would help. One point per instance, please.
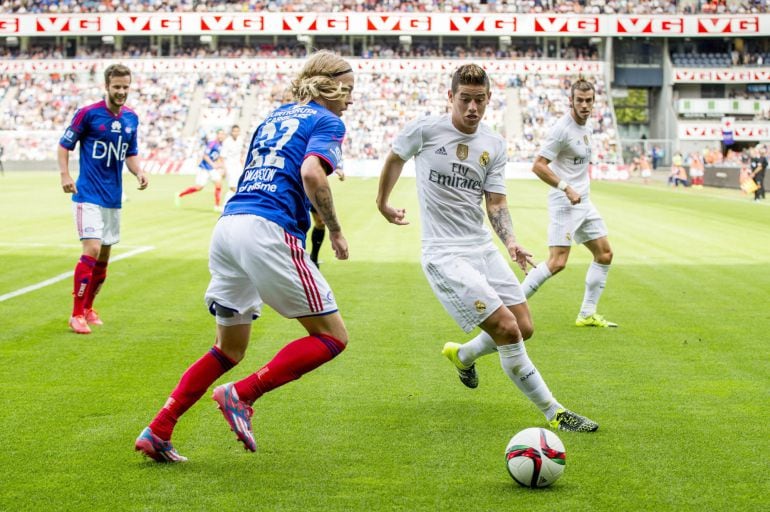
(535, 457)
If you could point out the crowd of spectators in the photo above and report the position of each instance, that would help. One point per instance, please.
(461, 6)
(290, 48)
(44, 104)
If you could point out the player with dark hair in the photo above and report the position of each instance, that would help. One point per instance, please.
(563, 164)
(107, 132)
(257, 256)
(459, 163)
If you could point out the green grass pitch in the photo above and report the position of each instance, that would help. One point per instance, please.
(681, 389)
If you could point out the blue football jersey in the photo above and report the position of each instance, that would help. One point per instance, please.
(213, 150)
(106, 140)
(271, 184)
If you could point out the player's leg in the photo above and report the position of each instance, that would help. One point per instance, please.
(563, 220)
(536, 277)
(316, 235)
(110, 236)
(90, 227)
(596, 279)
(287, 281)
(503, 327)
(201, 178)
(234, 302)
(217, 179)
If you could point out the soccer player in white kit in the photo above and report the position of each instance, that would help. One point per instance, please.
(232, 149)
(459, 160)
(563, 163)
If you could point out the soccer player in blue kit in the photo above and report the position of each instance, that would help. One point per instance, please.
(107, 134)
(258, 257)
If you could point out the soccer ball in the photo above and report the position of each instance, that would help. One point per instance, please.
(535, 457)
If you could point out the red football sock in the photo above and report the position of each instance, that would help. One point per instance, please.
(193, 384)
(290, 363)
(188, 191)
(217, 195)
(83, 272)
(98, 276)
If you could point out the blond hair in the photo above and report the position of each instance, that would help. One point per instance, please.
(317, 79)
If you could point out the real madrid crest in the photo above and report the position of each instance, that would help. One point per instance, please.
(585, 139)
(462, 151)
(480, 306)
(484, 158)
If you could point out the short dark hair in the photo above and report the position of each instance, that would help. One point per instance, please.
(115, 70)
(469, 74)
(581, 84)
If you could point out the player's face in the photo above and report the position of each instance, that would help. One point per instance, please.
(117, 91)
(235, 132)
(582, 103)
(342, 104)
(221, 135)
(469, 103)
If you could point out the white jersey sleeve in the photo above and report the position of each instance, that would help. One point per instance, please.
(409, 141)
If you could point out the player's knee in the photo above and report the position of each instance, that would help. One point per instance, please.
(556, 266)
(527, 330)
(605, 257)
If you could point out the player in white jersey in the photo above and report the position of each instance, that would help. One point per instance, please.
(232, 151)
(460, 161)
(563, 163)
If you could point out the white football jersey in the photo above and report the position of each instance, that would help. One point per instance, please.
(232, 149)
(453, 170)
(568, 147)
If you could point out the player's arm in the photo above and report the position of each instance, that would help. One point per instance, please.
(63, 158)
(543, 171)
(318, 191)
(391, 171)
(500, 219)
(135, 167)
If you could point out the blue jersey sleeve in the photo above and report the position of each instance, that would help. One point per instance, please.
(326, 142)
(73, 132)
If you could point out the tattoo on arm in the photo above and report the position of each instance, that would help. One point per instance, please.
(500, 219)
(325, 206)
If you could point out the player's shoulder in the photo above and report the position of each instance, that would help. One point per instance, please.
(129, 112)
(490, 133)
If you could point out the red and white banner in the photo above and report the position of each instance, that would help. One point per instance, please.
(282, 66)
(721, 75)
(347, 23)
(694, 130)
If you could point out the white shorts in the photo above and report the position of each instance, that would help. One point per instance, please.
(578, 223)
(472, 284)
(252, 262)
(646, 173)
(97, 222)
(234, 170)
(204, 176)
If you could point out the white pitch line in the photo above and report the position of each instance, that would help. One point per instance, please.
(61, 277)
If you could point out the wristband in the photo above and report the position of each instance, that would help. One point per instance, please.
(562, 185)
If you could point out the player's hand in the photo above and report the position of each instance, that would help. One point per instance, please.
(574, 197)
(68, 185)
(340, 173)
(394, 215)
(521, 256)
(339, 245)
(143, 181)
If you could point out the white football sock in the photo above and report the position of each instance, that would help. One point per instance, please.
(596, 278)
(481, 345)
(535, 279)
(520, 369)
